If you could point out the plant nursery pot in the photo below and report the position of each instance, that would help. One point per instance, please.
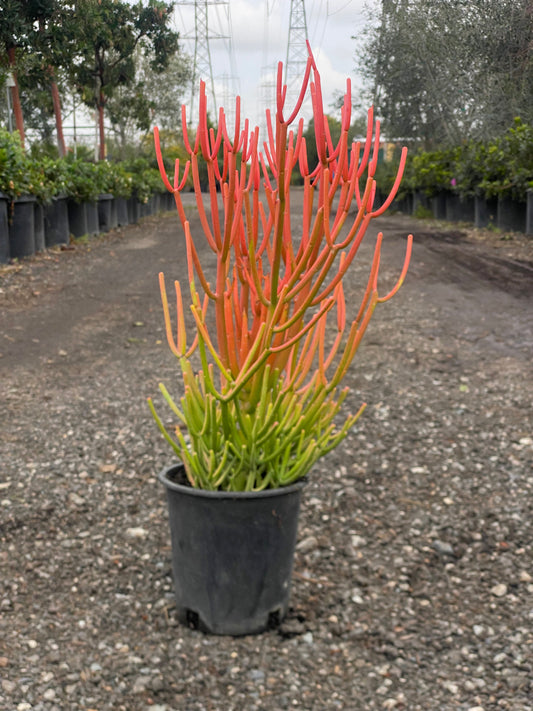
(169, 203)
(459, 209)
(529, 213)
(511, 214)
(486, 210)
(105, 210)
(122, 211)
(38, 220)
(438, 206)
(155, 201)
(4, 229)
(145, 209)
(232, 554)
(421, 203)
(134, 210)
(93, 222)
(56, 226)
(77, 218)
(22, 227)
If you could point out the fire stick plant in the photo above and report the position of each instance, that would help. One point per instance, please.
(262, 408)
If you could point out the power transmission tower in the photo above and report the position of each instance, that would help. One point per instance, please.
(201, 36)
(296, 60)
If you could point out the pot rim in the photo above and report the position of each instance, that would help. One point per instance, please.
(205, 493)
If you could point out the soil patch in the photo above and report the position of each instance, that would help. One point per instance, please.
(413, 583)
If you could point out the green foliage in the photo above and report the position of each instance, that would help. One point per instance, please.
(434, 171)
(114, 178)
(82, 181)
(144, 179)
(274, 445)
(14, 178)
(49, 178)
(443, 72)
(46, 176)
(502, 166)
(109, 33)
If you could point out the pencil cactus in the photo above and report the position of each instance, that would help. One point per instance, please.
(263, 406)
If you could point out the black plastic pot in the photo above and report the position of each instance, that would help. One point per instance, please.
(56, 226)
(145, 209)
(459, 209)
(232, 554)
(38, 227)
(122, 211)
(134, 210)
(21, 227)
(4, 229)
(421, 203)
(511, 214)
(156, 203)
(486, 210)
(77, 218)
(438, 206)
(91, 210)
(105, 204)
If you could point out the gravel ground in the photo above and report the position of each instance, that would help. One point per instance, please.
(413, 581)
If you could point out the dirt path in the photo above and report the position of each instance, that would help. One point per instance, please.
(413, 582)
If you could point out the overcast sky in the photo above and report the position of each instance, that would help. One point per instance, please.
(259, 33)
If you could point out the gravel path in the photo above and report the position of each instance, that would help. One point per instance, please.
(413, 583)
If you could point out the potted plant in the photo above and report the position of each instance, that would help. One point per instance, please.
(261, 407)
(15, 187)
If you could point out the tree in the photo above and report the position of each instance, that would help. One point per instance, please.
(13, 38)
(138, 107)
(440, 72)
(52, 28)
(35, 36)
(109, 31)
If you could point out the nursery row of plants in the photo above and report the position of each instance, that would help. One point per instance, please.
(44, 201)
(46, 177)
(28, 226)
(481, 182)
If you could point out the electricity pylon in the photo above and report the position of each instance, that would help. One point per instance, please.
(202, 63)
(296, 60)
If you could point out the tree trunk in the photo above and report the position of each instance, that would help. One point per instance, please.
(15, 98)
(101, 129)
(57, 112)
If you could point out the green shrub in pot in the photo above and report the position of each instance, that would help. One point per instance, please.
(14, 178)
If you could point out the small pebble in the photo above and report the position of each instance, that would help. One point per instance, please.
(136, 533)
(307, 544)
(499, 590)
(443, 548)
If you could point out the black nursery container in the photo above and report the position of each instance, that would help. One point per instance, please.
(77, 218)
(22, 227)
(4, 229)
(122, 211)
(38, 225)
(56, 225)
(232, 554)
(93, 225)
